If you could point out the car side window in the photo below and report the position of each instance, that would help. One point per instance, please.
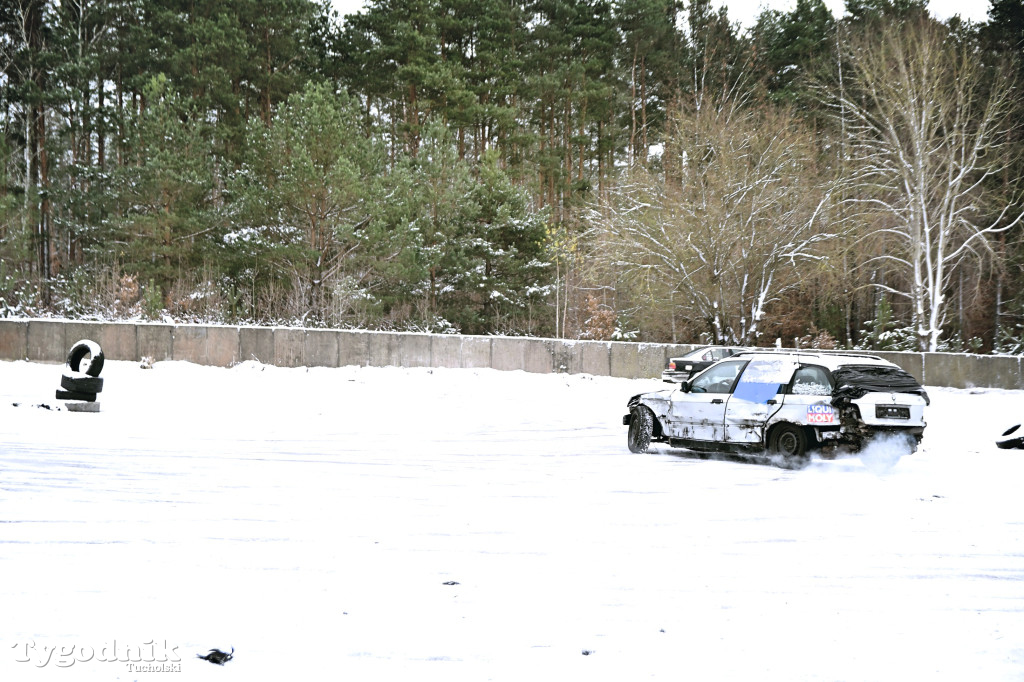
(718, 378)
(811, 380)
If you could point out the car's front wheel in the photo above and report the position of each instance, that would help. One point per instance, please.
(789, 444)
(641, 429)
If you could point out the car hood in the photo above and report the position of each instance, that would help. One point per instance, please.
(663, 394)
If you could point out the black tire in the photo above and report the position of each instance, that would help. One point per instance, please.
(641, 429)
(79, 351)
(788, 443)
(76, 395)
(80, 382)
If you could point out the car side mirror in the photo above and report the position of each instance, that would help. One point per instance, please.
(685, 386)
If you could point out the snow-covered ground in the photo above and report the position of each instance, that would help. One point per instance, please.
(416, 524)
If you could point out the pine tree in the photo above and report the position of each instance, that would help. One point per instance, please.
(305, 191)
(794, 47)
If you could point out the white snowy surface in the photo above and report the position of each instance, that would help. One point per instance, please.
(310, 518)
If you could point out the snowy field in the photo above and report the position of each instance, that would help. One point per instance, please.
(416, 524)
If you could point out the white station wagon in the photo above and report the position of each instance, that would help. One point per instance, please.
(783, 405)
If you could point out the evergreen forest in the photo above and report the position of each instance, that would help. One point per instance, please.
(640, 170)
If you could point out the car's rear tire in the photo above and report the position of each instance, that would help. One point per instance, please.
(641, 429)
(788, 443)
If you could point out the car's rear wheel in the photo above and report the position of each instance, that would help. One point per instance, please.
(641, 429)
(789, 444)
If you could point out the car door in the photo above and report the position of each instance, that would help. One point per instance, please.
(756, 397)
(699, 413)
(809, 399)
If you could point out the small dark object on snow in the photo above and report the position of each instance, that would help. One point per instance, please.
(1012, 438)
(587, 652)
(217, 656)
(450, 582)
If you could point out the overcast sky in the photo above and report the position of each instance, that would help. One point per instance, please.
(746, 11)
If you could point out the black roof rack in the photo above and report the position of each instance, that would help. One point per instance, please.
(811, 351)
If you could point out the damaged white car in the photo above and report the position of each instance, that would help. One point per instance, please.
(784, 406)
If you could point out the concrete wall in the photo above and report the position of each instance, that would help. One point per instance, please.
(50, 340)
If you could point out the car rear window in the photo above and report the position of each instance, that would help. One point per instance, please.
(853, 381)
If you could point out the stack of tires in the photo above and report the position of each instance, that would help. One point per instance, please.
(81, 381)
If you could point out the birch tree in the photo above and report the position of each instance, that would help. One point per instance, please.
(926, 132)
(724, 236)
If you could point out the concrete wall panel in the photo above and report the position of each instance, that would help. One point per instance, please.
(79, 331)
(13, 339)
(222, 346)
(381, 351)
(566, 356)
(413, 350)
(971, 371)
(119, 341)
(595, 357)
(189, 344)
(945, 370)
(446, 351)
(507, 353)
(652, 360)
(321, 348)
(155, 341)
(625, 360)
(996, 371)
(353, 348)
(289, 347)
(476, 351)
(256, 343)
(47, 341)
(204, 345)
(537, 356)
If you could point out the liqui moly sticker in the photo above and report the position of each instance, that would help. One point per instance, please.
(821, 413)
